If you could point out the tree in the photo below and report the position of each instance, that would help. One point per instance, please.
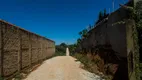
(78, 41)
(90, 27)
(100, 15)
(63, 45)
(105, 13)
(83, 33)
(61, 49)
(80, 33)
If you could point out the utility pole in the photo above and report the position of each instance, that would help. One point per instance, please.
(109, 10)
(112, 5)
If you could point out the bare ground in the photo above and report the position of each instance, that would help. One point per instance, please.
(61, 68)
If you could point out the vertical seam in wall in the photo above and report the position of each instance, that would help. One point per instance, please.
(19, 52)
(20, 36)
(30, 50)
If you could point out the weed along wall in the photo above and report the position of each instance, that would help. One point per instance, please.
(20, 49)
(116, 31)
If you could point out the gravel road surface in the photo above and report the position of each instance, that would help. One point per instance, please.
(61, 68)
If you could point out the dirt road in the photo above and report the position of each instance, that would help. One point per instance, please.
(61, 68)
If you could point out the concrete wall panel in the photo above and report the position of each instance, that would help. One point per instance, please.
(20, 48)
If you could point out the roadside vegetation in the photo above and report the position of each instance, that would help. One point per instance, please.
(61, 49)
(91, 65)
(1, 78)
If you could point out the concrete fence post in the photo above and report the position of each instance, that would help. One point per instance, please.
(41, 49)
(37, 49)
(1, 50)
(38, 44)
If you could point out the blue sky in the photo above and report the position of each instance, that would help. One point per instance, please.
(59, 20)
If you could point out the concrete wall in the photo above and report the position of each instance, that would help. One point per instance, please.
(110, 31)
(20, 49)
(116, 30)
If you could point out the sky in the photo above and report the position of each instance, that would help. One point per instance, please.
(58, 20)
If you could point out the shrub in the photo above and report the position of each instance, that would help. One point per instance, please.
(1, 78)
